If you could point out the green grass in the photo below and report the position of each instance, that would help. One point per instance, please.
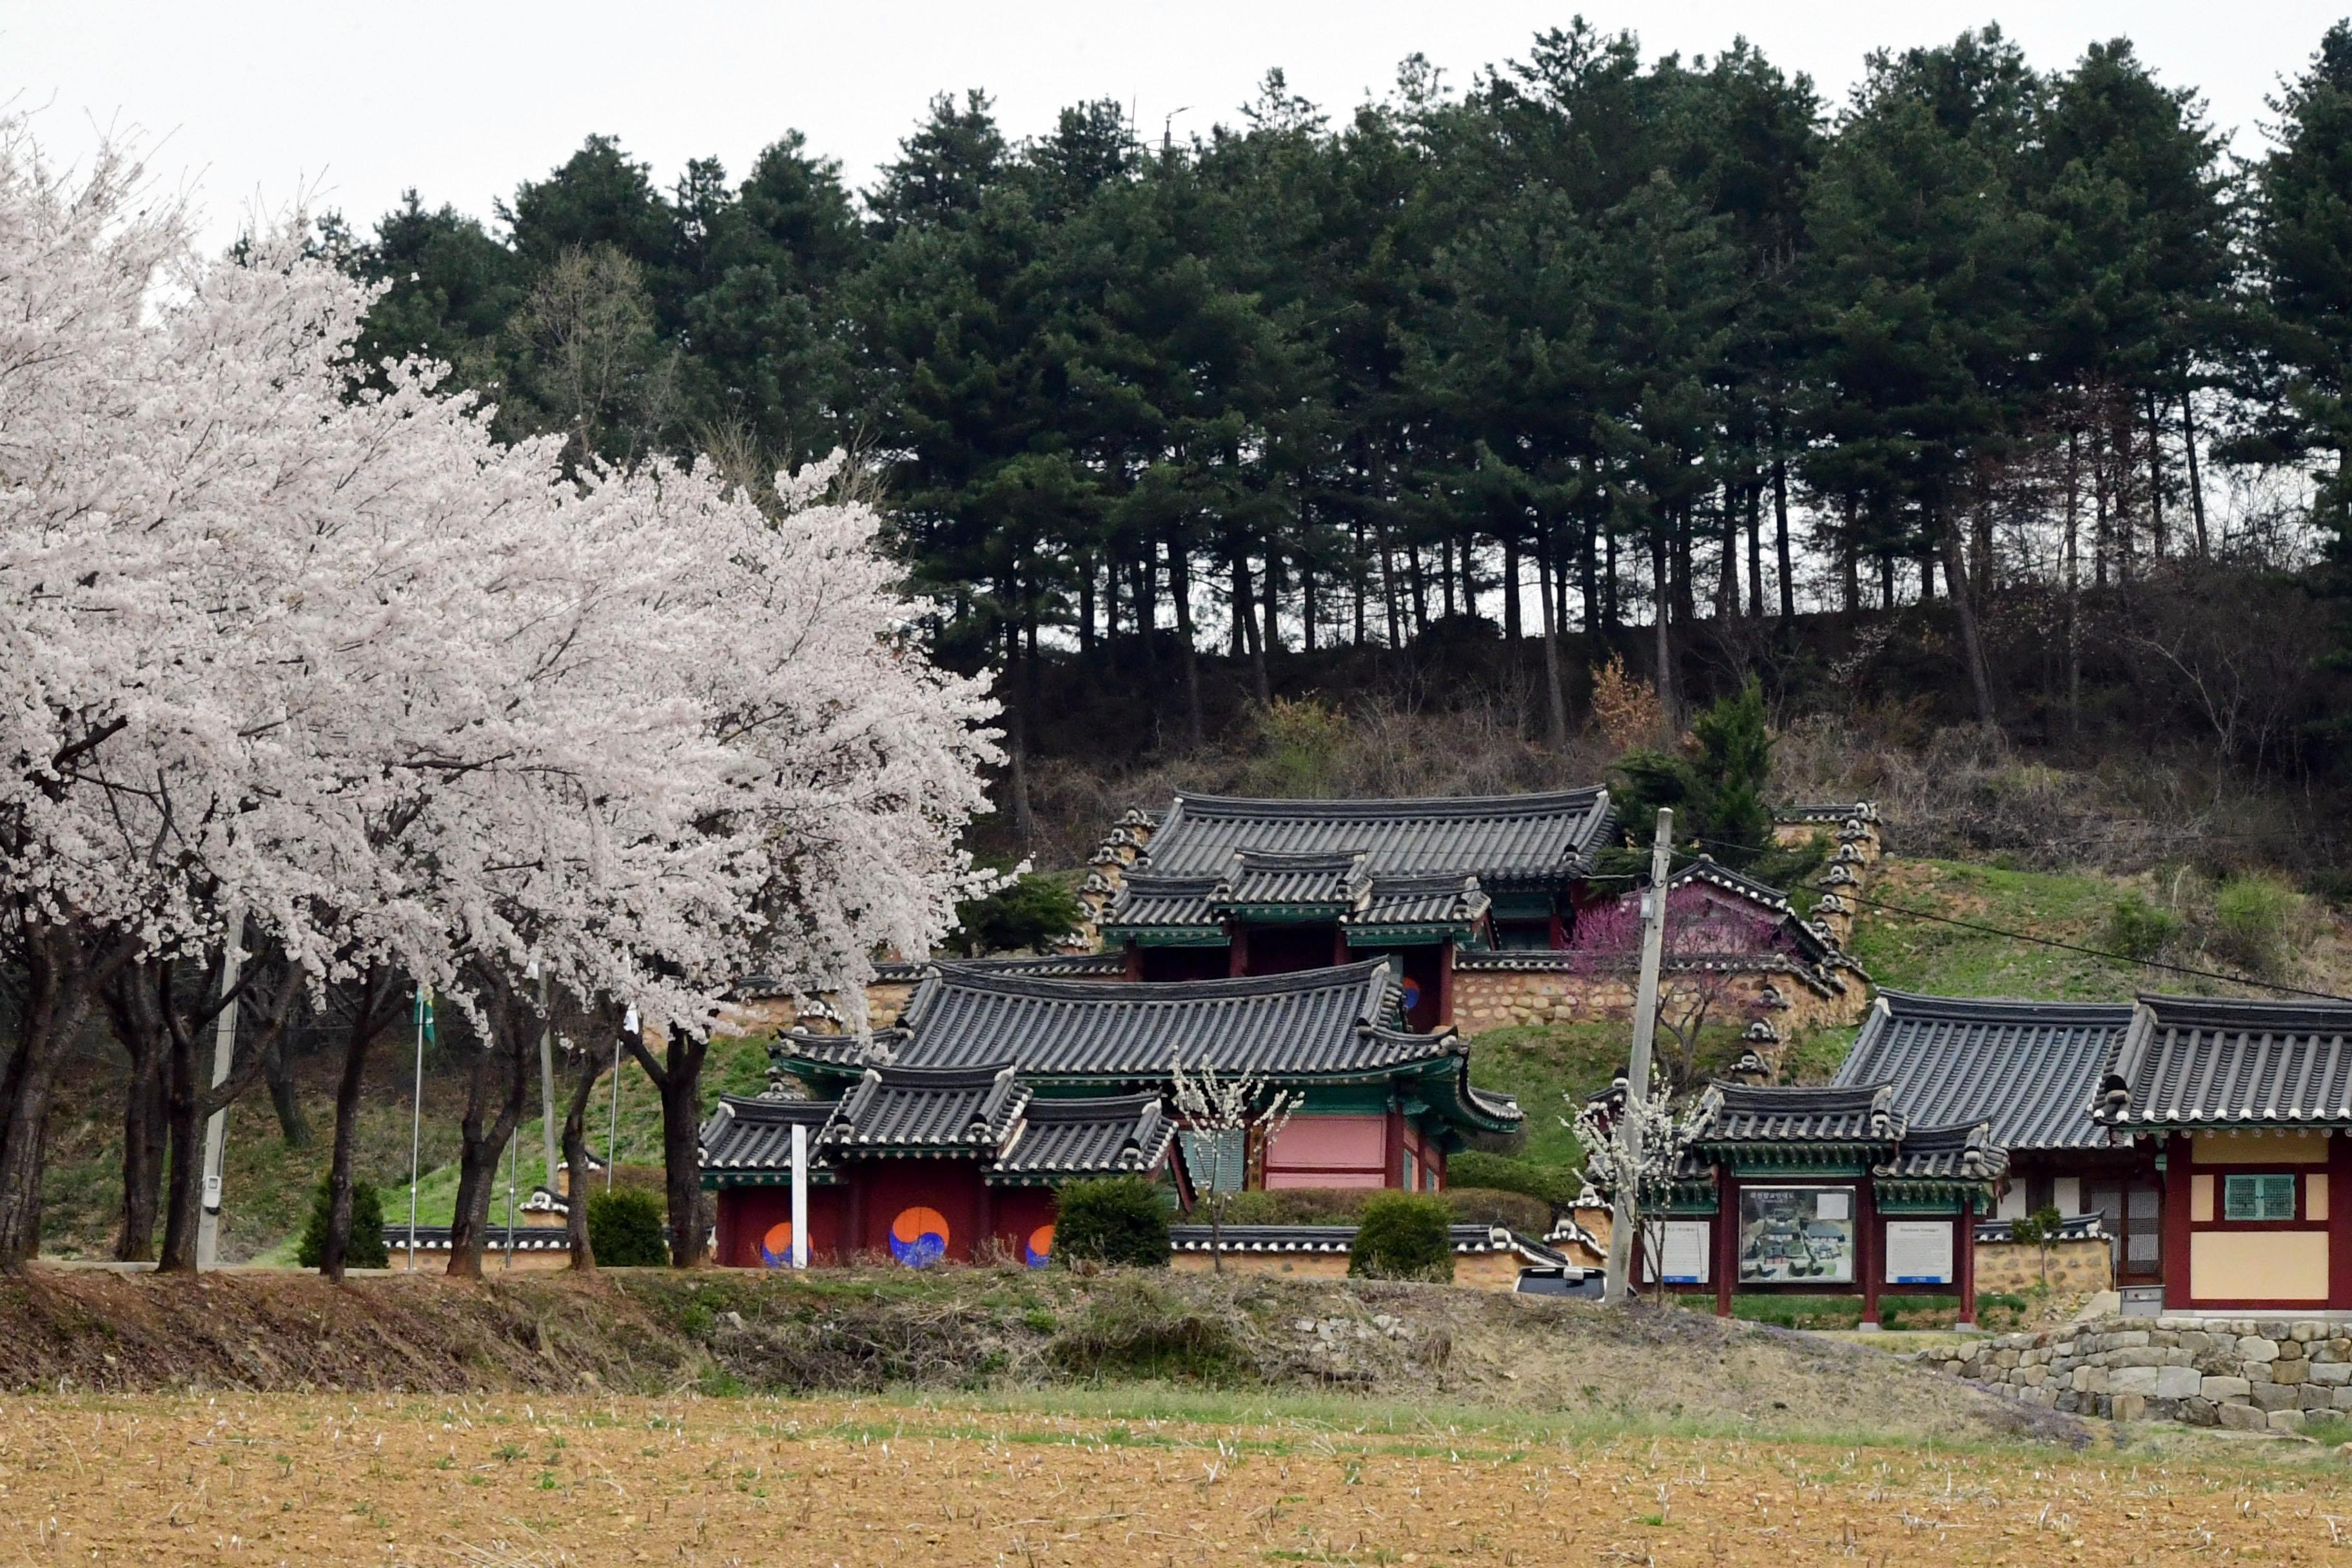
(1924, 955)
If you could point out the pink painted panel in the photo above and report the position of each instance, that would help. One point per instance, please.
(1318, 1177)
(1324, 1142)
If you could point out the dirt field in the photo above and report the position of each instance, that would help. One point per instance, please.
(1139, 1479)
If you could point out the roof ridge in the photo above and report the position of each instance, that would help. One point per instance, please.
(1530, 804)
(1924, 1004)
(1335, 977)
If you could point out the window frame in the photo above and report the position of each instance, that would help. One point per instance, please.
(2294, 1179)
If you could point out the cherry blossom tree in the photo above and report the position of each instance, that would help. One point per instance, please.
(328, 665)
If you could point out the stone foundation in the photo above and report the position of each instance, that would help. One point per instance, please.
(1487, 999)
(2076, 1267)
(2244, 1373)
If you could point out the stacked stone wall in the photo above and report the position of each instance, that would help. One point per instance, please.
(1499, 998)
(2244, 1373)
(2076, 1267)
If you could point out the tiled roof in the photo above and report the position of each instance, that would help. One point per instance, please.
(1467, 1240)
(1438, 898)
(1779, 1113)
(1062, 1137)
(1532, 839)
(2215, 1061)
(1315, 1022)
(953, 1110)
(1052, 966)
(1275, 877)
(749, 1135)
(2031, 1069)
(1965, 1152)
(1826, 811)
(1147, 899)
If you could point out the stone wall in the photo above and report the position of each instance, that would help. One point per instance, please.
(2246, 1374)
(1498, 998)
(2076, 1267)
(1474, 1270)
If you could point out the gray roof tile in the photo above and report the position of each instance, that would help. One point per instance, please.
(751, 1136)
(1781, 1113)
(909, 1108)
(2222, 1061)
(1325, 1021)
(2031, 1069)
(1068, 1137)
(1967, 1152)
(1528, 839)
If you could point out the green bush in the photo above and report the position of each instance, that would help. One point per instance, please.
(366, 1248)
(1554, 1184)
(2138, 929)
(1118, 1220)
(1402, 1235)
(624, 1229)
(2250, 912)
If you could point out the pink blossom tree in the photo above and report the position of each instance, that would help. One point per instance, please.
(1707, 946)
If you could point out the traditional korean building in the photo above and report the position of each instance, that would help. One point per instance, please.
(920, 1165)
(2030, 1070)
(1216, 885)
(1818, 1190)
(2244, 1107)
(996, 1085)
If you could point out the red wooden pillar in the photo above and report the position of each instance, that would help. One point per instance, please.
(985, 1213)
(1392, 1146)
(1725, 1239)
(1338, 946)
(853, 1242)
(1964, 1248)
(1445, 983)
(2339, 1221)
(1869, 1244)
(1135, 961)
(1237, 950)
(2178, 1168)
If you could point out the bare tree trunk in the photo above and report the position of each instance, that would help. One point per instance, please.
(183, 1113)
(1512, 629)
(2073, 585)
(132, 1005)
(1726, 592)
(1555, 700)
(2157, 540)
(58, 974)
(374, 1009)
(278, 1071)
(1755, 548)
(501, 1068)
(193, 1096)
(575, 1161)
(1180, 589)
(677, 1077)
(1956, 578)
(1666, 645)
(2196, 485)
(1781, 533)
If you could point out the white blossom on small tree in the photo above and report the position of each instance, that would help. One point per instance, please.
(1225, 1113)
(1667, 1125)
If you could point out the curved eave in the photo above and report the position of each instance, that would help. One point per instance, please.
(1167, 936)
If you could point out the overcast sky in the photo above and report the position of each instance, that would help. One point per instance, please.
(259, 100)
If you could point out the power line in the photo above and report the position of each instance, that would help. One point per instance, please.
(2066, 946)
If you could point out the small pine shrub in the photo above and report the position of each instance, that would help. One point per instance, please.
(2139, 930)
(1403, 1237)
(1119, 1220)
(624, 1229)
(366, 1248)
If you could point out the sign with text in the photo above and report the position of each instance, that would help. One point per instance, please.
(1796, 1236)
(1919, 1252)
(1680, 1247)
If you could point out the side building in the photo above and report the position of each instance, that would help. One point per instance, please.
(929, 1127)
(2030, 1070)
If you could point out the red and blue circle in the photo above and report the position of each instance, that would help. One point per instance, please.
(1410, 994)
(1038, 1250)
(776, 1246)
(919, 1236)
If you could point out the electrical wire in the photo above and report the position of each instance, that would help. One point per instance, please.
(2119, 958)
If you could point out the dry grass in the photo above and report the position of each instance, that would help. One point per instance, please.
(487, 1482)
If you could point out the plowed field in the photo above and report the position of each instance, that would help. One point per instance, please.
(308, 1479)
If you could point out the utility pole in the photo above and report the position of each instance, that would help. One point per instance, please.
(1637, 1070)
(208, 1210)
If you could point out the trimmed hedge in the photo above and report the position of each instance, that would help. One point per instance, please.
(1121, 1220)
(1402, 1235)
(624, 1229)
(1554, 1184)
(366, 1248)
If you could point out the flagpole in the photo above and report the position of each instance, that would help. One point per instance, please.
(416, 1125)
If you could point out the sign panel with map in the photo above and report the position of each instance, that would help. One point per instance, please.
(1796, 1236)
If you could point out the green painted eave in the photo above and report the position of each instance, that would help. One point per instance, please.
(1408, 935)
(1166, 936)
